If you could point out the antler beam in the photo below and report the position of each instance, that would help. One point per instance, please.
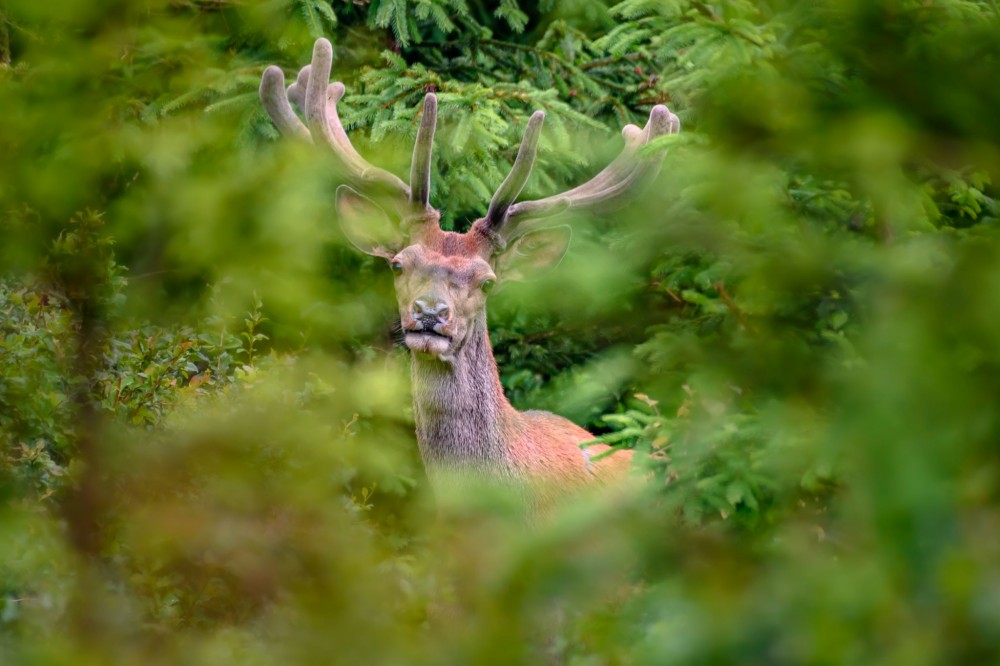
(512, 185)
(603, 191)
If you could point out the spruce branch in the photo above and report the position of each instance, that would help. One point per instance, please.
(614, 60)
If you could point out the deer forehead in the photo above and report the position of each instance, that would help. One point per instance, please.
(429, 263)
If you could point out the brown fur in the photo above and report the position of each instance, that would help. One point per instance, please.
(469, 434)
(465, 424)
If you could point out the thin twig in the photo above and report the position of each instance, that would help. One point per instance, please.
(611, 60)
(4, 42)
(741, 316)
(710, 14)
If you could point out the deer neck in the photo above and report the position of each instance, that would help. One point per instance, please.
(464, 422)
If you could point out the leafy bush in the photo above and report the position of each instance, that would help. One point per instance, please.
(208, 456)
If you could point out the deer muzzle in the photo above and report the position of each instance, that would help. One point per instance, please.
(427, 331)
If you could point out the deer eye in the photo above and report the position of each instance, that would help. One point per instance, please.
(396, 267)
(487, 286)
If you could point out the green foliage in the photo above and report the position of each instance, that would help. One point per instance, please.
(208, 456)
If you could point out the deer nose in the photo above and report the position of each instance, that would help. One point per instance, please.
(428, 308)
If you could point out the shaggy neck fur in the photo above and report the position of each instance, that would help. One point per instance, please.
(463, 419)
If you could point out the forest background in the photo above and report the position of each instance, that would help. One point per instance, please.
(206, 444)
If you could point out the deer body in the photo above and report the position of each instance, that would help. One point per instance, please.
(465, 426)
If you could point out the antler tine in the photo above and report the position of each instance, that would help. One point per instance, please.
(608, 187)
(323, 120)
(317, 98)
(297, 91)
(334, 93)
(275, 101)
(423, 147)
(518, 176)
(281, 112)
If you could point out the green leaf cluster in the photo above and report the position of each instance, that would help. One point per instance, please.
(206, 443)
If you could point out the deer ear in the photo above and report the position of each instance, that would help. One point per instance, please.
(533, 254)
(366, 224)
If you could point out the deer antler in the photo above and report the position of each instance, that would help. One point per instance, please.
(317, 98)
(603, 191)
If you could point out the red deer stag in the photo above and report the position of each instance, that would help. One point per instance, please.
(465, 425)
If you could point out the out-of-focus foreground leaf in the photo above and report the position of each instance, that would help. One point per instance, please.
(206, 448)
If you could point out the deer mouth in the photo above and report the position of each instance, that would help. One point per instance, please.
(427, 341)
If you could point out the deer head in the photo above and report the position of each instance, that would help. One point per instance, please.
(443, 278)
